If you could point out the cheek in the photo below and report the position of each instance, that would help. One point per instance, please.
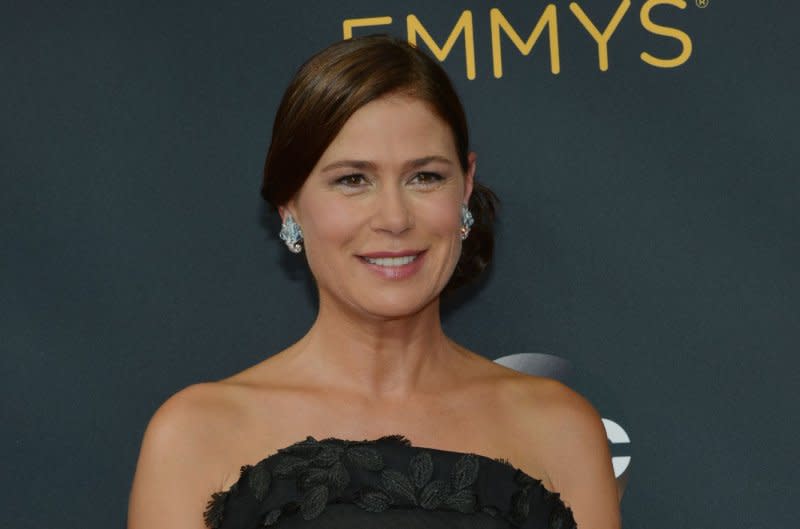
(442, 219)
(329, 223)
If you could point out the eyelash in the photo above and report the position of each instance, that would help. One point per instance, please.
(347, 180)
(436, 176)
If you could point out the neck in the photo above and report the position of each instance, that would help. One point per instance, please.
(387, 359)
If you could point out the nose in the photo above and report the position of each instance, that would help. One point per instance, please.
(392, 211)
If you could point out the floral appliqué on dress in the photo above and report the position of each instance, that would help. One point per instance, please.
(320, 473)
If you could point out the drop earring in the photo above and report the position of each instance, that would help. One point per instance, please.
(291, 234)
(466, 221)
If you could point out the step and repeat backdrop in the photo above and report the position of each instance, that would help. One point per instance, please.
(645, 156)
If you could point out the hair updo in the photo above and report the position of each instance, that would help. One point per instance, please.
(331, 86)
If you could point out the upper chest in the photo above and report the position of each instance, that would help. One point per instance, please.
(486, 424)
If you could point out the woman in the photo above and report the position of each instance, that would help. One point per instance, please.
(375, 418)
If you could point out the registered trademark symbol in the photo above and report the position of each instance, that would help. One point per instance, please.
(702, 4)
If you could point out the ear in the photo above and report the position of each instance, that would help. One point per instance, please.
(469, 177)
(287, 209)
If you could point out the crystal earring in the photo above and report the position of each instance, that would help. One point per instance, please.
(466, 221)
(291, 234)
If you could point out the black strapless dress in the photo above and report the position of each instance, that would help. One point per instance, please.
(384, 483)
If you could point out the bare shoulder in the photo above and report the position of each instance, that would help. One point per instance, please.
(573, 449)
(559, 408)
(563, 422)
(206, 400)
(181, 458)
(193, 420)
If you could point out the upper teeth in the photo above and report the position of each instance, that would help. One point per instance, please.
(391, 261)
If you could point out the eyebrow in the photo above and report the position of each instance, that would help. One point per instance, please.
(365, 164)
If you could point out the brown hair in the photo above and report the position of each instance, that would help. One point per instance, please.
(344, 77)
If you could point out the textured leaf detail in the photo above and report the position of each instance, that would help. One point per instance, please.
(366, 457)
(520, 505)
(462, 501)
(215, 508)
(289, 466)
(259, 479)
(395, 439)
(433, 494)
(314, 502)
(338, 476)
(421, 468)
(322, 474)
(311, 477)
(398, 485)
(523, 479)
(373, 500)
(491, 510)
(327, 456)
(304, 449)
(465, 471)
(561, 517)
(272, 517)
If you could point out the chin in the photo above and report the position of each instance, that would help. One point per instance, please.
(395, 307)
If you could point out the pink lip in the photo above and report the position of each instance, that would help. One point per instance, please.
(394, 272)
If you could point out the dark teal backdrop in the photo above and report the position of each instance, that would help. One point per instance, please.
(648, 232)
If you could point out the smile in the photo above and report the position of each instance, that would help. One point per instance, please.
(401, 265)
(390, 261)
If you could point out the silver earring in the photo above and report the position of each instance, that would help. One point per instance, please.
(466, 221)
(291, 234)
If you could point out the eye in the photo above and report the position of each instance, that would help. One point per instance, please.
(350, 180)
(428, 178)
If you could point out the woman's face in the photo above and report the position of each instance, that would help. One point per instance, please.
(380, 212)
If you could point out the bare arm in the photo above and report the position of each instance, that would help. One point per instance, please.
(579, 464)
(173, 480)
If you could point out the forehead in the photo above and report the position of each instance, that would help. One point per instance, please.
(395, 126)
